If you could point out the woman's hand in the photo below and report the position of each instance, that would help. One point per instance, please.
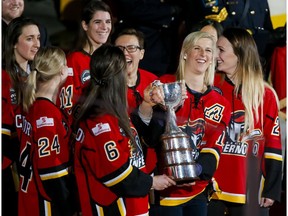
(266, 202)
(161, 182)
(153, 94)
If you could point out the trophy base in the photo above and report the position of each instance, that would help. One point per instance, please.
(182, 173)
(186, 181)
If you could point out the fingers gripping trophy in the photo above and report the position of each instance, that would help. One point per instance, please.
(177, 154)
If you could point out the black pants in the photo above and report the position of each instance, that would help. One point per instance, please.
(9, 194)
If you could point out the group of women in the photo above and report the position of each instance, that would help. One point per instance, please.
(95, 117)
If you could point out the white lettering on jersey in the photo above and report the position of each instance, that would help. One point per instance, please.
(80, 135)
(138, 162)
(26, 126)
(101, 128)
(235, 148)
(44, 122)
(18, 121)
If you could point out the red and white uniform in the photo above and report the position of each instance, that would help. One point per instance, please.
(263, 145)
(77, 80)
(44, 161)
(135, 97)
(204, 117)
(109, 169)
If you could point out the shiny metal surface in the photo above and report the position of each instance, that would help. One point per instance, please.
(177, 153)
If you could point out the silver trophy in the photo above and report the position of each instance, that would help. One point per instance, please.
(177, 152)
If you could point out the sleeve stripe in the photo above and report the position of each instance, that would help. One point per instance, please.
(47, 207)
(6, 131)
(120, 177)
(273, 156)
(121, 206)
(54, 175)
(212, 151)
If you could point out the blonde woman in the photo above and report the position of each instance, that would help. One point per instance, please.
(204, 116)
(249, 172)
(44, 152)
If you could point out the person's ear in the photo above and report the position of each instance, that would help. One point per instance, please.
(185, 56)
(142, 52)
(84, 25)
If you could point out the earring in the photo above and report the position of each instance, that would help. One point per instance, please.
(185, 57)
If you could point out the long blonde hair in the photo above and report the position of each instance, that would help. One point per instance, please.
(188, 43)
(47, 64)
(248, 77)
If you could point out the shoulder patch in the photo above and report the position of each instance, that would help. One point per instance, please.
(214, 112)
(13, 96)
(101, 128)
(85, 76)
(44, 122)
(70, 72)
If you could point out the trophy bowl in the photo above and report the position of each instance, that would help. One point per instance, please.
(177, 154)
(172, 94)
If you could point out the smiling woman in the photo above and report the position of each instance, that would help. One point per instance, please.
(204, 116)
(20, 46)
(95, 29)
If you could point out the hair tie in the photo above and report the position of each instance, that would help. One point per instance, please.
(100, 82)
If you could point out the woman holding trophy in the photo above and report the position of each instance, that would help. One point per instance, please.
(197, 126)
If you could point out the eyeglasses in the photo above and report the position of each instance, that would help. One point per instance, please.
(130, 48)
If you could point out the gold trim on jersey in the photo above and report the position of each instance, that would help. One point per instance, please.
(47, 208)
(212, 151)
(54, 175)
(119, 178)
(121, 206)
(6, 131)
(230, 197)
(174, 201)
(100, 211)
(273, 156)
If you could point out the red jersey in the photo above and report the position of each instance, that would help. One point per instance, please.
(263, 144)
(44, 161)
(109, 169)
(204, 118)
(143, 80)
(77, 80)
(8, 98)
(135, 97)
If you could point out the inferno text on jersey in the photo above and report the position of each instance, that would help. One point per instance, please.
(235, 148)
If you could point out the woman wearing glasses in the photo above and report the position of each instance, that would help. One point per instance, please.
(109, 163)
(131, 42)
(96, 26)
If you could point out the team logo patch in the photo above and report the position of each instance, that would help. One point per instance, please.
(70, 72)
(13, 96)
(44, 122)
(85, 76)
(214, 113)
(101, 128)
